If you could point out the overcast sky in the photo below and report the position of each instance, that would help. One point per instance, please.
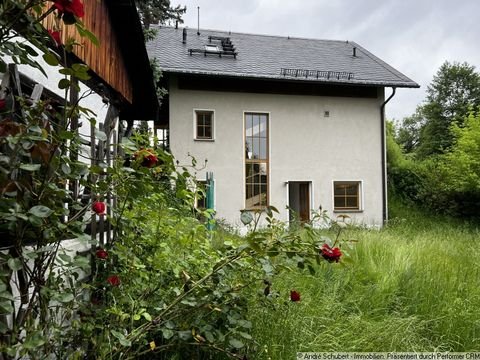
(414, 36)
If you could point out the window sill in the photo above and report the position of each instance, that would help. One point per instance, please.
(347, 211)
(204, 140)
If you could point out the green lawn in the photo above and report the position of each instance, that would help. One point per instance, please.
(413, 286)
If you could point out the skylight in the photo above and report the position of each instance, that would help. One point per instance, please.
(212, 47)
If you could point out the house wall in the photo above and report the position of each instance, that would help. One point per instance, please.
(304, 146)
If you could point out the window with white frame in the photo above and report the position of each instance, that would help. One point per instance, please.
(347, 195)
(204, 124)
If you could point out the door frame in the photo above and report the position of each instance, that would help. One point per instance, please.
(310, 193)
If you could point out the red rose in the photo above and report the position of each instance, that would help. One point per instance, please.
(99, 207)
(330, 254)
(147, 157)
(113, 280)
(56, 36)
(70, 7)
(101, 254)
(294, 296)
(3, 103)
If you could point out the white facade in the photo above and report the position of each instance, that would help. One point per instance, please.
(313, 139)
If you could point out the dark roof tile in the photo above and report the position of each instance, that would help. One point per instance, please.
(263, 56)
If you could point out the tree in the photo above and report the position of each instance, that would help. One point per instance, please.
(408, 132)
(454, 91)
(158, 12)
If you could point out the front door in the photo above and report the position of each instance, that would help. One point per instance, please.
(299, 200)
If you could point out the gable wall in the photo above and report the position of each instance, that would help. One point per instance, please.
(304, 146)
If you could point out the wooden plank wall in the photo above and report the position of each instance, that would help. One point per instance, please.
(105, 60)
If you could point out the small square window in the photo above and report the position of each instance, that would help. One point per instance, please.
(346, 195)
(204, 125)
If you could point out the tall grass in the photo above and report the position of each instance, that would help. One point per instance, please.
(412, 286)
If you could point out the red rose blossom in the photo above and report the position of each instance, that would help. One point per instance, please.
(99, 207)
(56, 36)
(113, 280)
(3, 103)
(101, 254)
(147, 157)
(72, 7)
(149, 161)
(330, 254)
(294, 296)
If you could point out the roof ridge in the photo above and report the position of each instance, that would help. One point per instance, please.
(260, 35)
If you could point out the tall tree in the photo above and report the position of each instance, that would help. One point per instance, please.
(408, 132)
(158, 12)
(454, 91)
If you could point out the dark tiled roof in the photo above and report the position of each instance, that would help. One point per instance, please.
(262, 56)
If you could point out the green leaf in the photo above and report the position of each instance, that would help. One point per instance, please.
(237, 344)
(64, 84)
(65, 257)
(66, 71)
(6, 307)
(123, 340)
(65, 297)
(147, 316)
(209, 336)
(41, 211)
(167, 333)
(30, 167)
(50, 59)
(245, 335)
(66, 169)
(15, 264)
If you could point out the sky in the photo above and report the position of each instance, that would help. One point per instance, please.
(414, 36)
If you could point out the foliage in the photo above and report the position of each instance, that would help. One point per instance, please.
(158, 12)
(408, 133)
(411, 286)
(454, 91)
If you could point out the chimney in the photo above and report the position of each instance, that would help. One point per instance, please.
(354, 51)
(184, 36)
(176, 24)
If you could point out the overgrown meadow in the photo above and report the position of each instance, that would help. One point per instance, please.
(412, 286)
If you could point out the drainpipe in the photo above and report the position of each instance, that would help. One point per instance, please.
(384, 157)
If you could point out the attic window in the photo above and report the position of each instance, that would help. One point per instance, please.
(210, 47)
(217, 45)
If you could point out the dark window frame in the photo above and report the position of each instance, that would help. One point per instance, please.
(201, 127)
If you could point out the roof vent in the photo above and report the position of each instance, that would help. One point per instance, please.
(354, 52)
(184, 36)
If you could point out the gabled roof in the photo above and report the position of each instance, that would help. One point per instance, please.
(273, 57)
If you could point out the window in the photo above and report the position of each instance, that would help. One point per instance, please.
(346, 195)
(203, 125)
(256, 161)
(213, 48)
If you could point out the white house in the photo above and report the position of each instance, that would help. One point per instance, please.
(294, 123)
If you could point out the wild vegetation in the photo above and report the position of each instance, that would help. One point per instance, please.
(433, 155)
(173, 285)
(411, 286)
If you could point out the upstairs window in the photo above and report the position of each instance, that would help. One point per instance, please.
(346, 196)
(203, 125)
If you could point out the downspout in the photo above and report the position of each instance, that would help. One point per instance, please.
(384, 157)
